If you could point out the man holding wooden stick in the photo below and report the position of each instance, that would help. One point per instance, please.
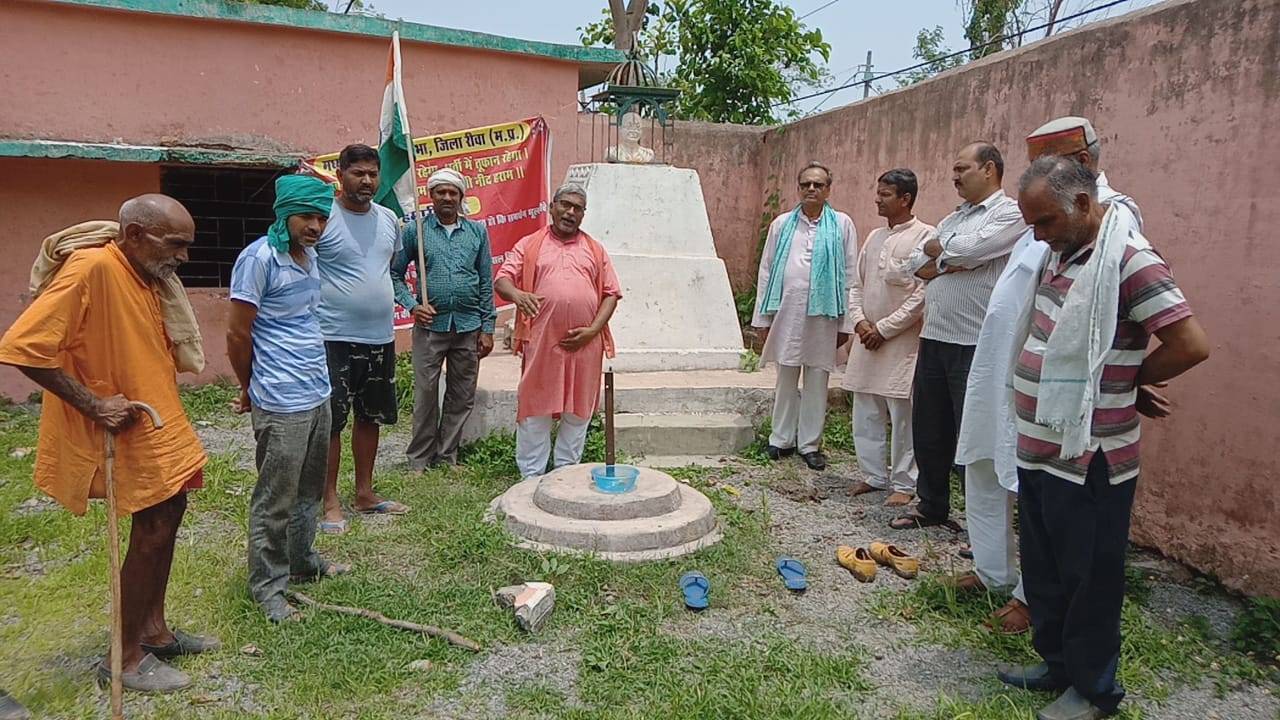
(95, 339)
(454, 327)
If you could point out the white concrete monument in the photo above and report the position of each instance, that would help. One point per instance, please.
(677, 311)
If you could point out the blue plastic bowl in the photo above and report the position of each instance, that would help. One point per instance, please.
(615, 478)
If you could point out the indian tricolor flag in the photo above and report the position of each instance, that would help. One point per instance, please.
(395, 147)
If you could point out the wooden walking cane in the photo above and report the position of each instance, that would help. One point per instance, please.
(113, 546)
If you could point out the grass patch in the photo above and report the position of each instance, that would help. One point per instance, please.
(206, 403)
(1257, 630)
(626, 646)
(438, 565)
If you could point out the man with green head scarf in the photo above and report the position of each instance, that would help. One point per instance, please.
(276, 347)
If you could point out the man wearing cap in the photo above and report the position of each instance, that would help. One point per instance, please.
(454, 327)
(961, 261)
(988, 431)
(276, 348)
(357, 311)
(565, 290)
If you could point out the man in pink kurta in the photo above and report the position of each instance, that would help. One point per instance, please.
(886, 303)
(565, 290)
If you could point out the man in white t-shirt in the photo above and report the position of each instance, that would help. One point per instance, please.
(357, 306)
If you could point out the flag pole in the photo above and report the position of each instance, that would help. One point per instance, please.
(398, 91)
(417, 218)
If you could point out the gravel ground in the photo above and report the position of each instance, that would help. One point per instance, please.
(503, 669)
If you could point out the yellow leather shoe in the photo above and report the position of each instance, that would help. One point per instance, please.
(904, 565)
(857, 561)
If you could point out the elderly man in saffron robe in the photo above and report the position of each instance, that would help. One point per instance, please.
(565, 290)
(96, 339)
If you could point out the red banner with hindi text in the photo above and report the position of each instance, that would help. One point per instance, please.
(507, 171)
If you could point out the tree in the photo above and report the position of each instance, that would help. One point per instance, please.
(929, 48)
(735, 60)
(995, 25)
(988, 24)
(627, 22)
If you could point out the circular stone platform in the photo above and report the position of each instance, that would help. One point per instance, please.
(563, 511)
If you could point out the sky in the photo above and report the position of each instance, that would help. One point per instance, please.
(852, 27)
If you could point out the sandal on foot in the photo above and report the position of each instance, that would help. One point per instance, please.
(153, 676)
(912, 520)
(280, 611)
(1012, 619)
(899, 499)
(327, 569)
(386, 507)
(183, 644)
(965, 582)
(335, 527)
(863, 489)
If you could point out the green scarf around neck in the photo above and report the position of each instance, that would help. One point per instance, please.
(826, 271)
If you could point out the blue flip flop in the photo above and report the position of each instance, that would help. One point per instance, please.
(695, 587)
(793, 573)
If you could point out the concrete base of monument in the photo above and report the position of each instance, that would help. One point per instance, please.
(563, 511)
(677, 311)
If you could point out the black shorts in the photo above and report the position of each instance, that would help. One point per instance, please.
(364, 377)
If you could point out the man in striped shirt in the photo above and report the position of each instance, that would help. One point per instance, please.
(961, 261)
(276, 348)
(1074, 505)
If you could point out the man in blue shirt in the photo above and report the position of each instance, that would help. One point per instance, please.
(277, 352)
(357, 308)
(455, 327)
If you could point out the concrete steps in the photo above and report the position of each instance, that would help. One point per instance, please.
(678, 433)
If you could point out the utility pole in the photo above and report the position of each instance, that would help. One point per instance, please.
(866, 77)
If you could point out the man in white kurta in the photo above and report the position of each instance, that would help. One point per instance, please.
(988, 439)
(796, 340)
(886, 304)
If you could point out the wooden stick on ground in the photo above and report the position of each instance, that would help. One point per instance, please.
(452, 638)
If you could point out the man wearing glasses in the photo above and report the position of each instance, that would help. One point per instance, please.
(808, 262)
(565, 290)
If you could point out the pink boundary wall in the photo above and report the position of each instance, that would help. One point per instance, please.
(1185, 99)
(1182, 94)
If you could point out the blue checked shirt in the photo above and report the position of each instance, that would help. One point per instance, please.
(459, 274)
(289, 370)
